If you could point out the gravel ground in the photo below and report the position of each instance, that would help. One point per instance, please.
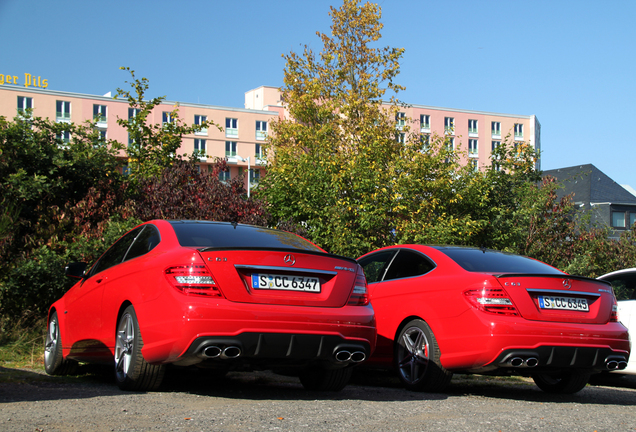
(189, 401)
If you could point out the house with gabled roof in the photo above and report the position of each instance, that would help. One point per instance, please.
(607, 202)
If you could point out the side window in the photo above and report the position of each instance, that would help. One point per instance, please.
(408, 263)
(624, 286)
(145, 242)
(375, 265)
(115, 254)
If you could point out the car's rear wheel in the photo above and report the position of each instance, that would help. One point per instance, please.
(563, 382)
(54, 362)
(417, 358)
(325, 379)
(132, 372)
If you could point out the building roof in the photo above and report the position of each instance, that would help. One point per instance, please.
(591, 185)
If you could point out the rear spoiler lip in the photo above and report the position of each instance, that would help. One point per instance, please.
(554, 276)
(288, 250)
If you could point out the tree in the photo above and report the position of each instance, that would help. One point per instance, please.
(331, 162)
(46, 170)
(44, 167)
(350, 168)
(152, 147)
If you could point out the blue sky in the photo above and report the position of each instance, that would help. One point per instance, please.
(571, 63)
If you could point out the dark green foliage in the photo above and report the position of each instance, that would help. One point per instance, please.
(43, 181)
(34, 283)
(41, 175)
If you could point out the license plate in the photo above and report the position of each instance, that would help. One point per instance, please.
(563, 303)
(285, 282)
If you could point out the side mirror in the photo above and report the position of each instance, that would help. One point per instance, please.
(75, 270)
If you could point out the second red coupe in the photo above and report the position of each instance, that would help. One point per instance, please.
(450, 309)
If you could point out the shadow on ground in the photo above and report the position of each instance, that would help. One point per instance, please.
(366, 385)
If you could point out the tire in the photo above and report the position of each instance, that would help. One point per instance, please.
(132, 372)
(563, 382)
(319, 379)
(417, 357)
(54, 362)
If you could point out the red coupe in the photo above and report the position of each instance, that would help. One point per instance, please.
(445, 309)
(217, 295)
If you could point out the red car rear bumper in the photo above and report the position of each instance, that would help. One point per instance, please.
(262, 332)
(485, 343)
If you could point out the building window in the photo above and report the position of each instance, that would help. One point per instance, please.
(518, 131)
(261, 130)
(450, 147)
(449, 125)
(494, 145)
(632, 219)
(472, 128)
(166, 117)
(99, 113)
(65, 137)
(230, 148)
(401, 137)
(473, 150)
(132, 113)
(199, 148)
(231, 128)
(24, 103)
(258, 152)
(255, 176)
(198, 121)
(400, 120)
(474, 165)
(224, 175)
(425, 140)
(618, 219)
(101, 135)
(62, 111)
(495, 128)
(425, 123)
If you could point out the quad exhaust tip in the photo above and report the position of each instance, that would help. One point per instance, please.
(214, 351)
(519, 362)
(615, 364)
(348, 356)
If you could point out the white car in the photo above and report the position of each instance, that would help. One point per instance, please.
(624, 284)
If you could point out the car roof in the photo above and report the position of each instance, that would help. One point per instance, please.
(618, 272)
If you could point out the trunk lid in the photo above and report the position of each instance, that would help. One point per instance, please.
(282, 277)
(560, 298)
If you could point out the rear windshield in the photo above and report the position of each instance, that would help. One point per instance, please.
(490, 261)
(227, 235)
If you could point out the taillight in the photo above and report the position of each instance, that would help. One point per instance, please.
(491, 300)
(360, 295)
(193, 280)
(614, 313)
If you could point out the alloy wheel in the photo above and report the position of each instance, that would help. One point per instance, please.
(414, 354)
(124, 346)
(51, 342)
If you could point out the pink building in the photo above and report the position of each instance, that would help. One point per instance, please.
(244, 130)
(475, 133)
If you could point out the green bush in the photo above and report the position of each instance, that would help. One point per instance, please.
(34, 283)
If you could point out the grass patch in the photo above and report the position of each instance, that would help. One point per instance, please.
(22, 342)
